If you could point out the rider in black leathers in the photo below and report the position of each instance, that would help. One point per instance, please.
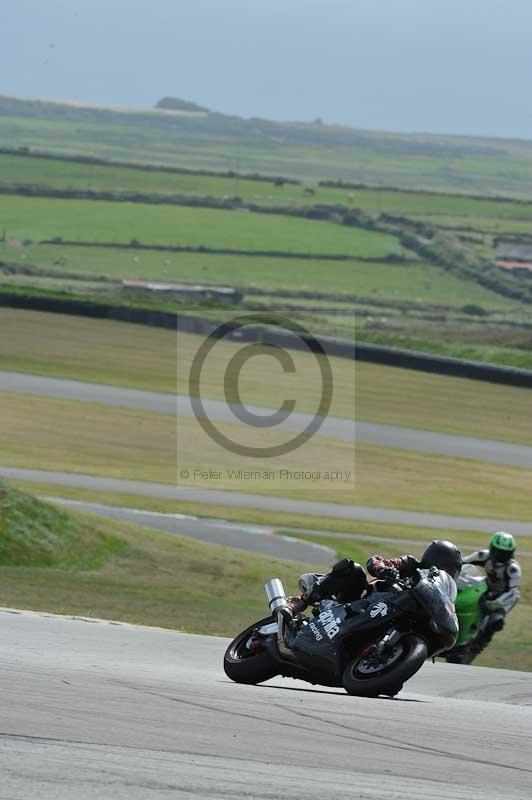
(347, 580)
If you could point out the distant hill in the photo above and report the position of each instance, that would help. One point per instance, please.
(184, 134)
(176, 104)
(253, 128)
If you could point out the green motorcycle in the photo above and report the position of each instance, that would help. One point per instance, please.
(471, 586)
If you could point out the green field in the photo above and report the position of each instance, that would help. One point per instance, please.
(27, 171)
(19, 170)
(447, 210)
(96, 221)
(419, 282)
(456, 164)
(465, 308)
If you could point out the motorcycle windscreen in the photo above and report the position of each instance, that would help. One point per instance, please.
(437, 593)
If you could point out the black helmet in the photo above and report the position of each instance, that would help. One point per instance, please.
(444, 555)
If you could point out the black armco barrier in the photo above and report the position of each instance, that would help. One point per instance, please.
(442, 365)
(342, 348)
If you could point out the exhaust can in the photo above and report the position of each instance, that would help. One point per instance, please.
(276, 595)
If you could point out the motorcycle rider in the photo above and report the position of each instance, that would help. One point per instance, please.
(347, 580)
(440, 553)
(503, 577)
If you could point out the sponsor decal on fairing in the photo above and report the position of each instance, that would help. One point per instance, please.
(381, 608)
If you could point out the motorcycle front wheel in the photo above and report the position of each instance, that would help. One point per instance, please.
(369, 675)
(245, 665)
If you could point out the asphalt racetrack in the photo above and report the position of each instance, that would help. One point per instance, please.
(94, 710)
(270, 540)
(254, 501)
(261, 539)
(333, 427)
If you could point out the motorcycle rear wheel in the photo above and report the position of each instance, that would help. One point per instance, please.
(390, 678)
(245, 666)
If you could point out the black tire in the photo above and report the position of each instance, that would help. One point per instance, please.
(390, 679)
(244, 667)
(460, 655)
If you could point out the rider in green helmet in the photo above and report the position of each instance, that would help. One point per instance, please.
(503, 577)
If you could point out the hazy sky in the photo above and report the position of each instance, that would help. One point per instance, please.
(450, 66)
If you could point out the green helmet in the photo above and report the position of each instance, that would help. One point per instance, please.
(502, 546)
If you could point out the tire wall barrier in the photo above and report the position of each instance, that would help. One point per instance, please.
(361, 351)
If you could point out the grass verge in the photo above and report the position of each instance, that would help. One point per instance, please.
(142, 577)
(491, 343)
(36, 534)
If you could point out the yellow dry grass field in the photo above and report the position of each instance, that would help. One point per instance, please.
(121, 354)
(89, 438)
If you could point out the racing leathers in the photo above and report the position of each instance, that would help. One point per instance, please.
(503, 579)
(347, 580)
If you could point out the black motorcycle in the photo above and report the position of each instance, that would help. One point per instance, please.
(369, 646)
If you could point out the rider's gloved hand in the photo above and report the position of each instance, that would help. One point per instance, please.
(290, 612)
(296, 605)
(390, 574)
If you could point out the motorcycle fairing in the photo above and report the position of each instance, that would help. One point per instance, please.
(436, 594)
(319, 643)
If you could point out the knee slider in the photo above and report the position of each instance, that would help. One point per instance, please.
(497, 623)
